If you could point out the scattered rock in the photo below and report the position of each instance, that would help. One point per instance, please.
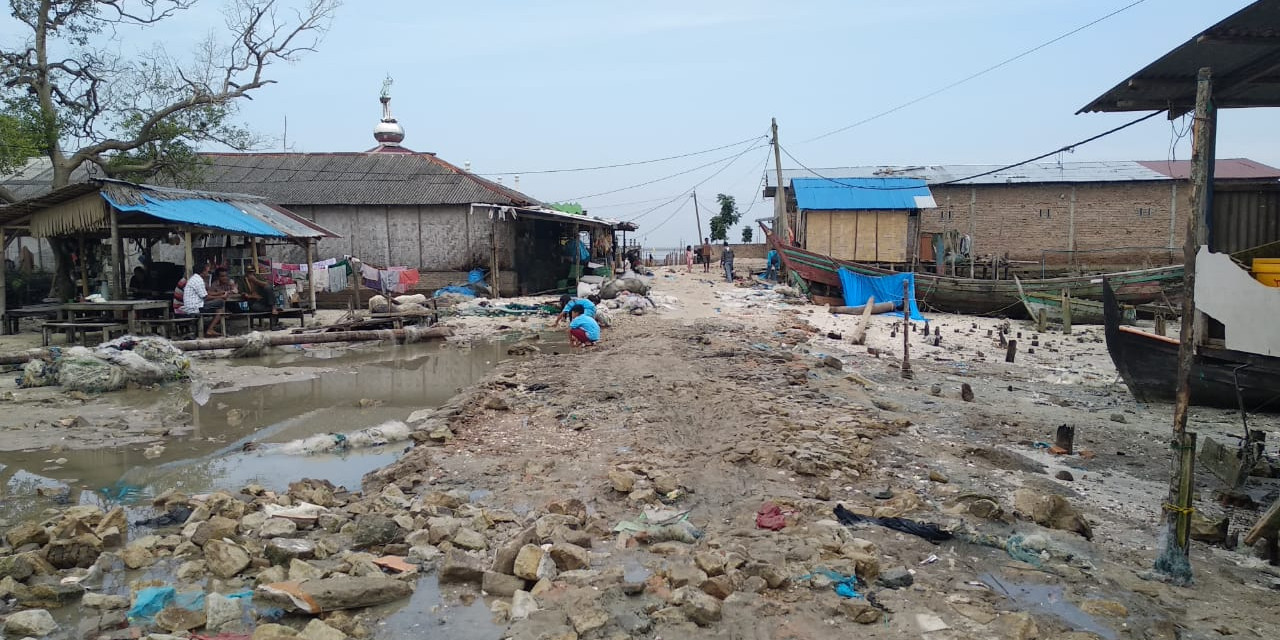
(501, 584)
(702, 608)
(277, 528)
(1051, 511)
(318, 630)
(215, 528)
(938, 476)
(966, 392)
(375, 529)
(26, 533)
(104, 602)
(533, 563)
(1119, 417)
(1064, 475)
(718, 587)
(174, 618)
(587, 619)
(469, 539)
(896, 578)
(273, 632)
(331, 594)
(300, 570)
(136, 556)
(1109, 608)
(622, 481)
(459, 567)
(860, 611)
(1017, 626)
(569, 557)
(522, 605)
(282, 551)
(225, 559)
(34, 622)
(832, 362)
(222, 613)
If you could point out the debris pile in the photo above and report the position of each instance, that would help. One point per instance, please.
(110, 366)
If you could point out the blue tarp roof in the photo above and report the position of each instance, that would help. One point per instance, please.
(200, 212)
(852, 194)
(858, 288)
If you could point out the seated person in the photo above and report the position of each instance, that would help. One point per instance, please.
(177, 295)
(583, 329)
(259, 294)
(222, 283)
(197, 300)
(138, 285)
(568, 304)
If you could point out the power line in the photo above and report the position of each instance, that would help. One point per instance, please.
(974, 76)
(674, 175)
(694, 187)
(623, 164)
(1070, 147)
(668, 218)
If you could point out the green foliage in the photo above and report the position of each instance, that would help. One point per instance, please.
(728, 216)
(21, 136)
(746, 235)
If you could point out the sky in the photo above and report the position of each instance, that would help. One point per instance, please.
(523, 86)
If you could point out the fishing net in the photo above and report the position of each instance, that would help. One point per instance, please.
(110, 366)
(81, 370)
(38, 373)
(1171, 558)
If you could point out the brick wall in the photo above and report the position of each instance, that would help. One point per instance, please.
(1106, 225)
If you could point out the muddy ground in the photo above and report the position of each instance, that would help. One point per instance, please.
(724, 400)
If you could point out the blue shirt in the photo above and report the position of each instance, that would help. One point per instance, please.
(773, 257)
(588, 307)
(588, 325)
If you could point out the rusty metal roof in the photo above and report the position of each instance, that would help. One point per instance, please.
(1040, 172)
(1243, 51)
(351, 179)
(1225, 169)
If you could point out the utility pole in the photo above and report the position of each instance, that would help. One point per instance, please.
(1173, 560)
(697, 217)
(780, 226)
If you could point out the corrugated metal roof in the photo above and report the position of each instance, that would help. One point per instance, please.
(213, 214)
(1228, 169)
(1243, 51)
(1032, 173)
(351, 179)
(34, 178)
(849, 194)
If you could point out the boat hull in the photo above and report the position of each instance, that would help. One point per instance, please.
(1148, 364)
(1082, 311)
(986, 297)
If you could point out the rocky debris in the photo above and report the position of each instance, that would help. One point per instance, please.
(222, 613)
(1051, 511)
(277, 528)
(372, 530)
(459, 567)
(332, 594)
(282, 551)
(317, 630)
(896, 578)
(34, 622)
(938, 476)
(1064, 475)
(523, 605)
(501, 584)
(104, 602)
(225, 559)
(25, 534)
(569, 557)
(699, 607)
(272, 631)
(860, 611)
(533, 563)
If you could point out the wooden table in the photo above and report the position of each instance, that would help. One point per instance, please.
(12, 316)
(130, 308)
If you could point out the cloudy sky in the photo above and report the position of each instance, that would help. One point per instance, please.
(522, 86)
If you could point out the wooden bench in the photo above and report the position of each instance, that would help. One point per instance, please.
(13, 316)
(71, 329)
(171, 327)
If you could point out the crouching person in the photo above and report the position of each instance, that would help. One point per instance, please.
(584, 331)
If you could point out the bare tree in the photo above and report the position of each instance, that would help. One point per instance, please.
(148, 112)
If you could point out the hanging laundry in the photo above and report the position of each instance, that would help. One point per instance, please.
(337, 279)
(370, 277)
(409, 278)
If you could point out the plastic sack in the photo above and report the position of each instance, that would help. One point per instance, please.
(149, 602)
(80, 370)
(465, 292)
(476, 275)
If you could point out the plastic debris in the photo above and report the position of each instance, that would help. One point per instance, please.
(771, 517)
(661, 525)
(927, 530)
(846, 586)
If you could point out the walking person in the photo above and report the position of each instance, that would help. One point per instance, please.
(688, 257)
(726, 261)
(706, 255)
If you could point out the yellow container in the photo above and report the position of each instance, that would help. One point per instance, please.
(1267, 271)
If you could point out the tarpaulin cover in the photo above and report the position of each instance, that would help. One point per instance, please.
(857, 288)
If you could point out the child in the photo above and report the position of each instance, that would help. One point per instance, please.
(688, 257)
(568, 304)
(583, 329)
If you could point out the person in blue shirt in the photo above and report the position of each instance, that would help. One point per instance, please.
(771, 265)
(583, 329)
(568, 304)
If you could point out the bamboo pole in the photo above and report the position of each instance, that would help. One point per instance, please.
(881, 307)
(1177, 505)
(311, 271)
(860, 333)
(4, 283)
(115, 284)
(1066, 311)
(907, 373)
(189, 252)
(84, 269)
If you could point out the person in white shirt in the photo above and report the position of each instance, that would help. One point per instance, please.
(196, 300)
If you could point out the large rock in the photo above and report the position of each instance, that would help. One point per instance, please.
(533, 563)
(522, 605)
(318, 492)
(469, 539)
(176, 619)
(222, 613)
(1050, 510)
(277, 528)
(215, 528)
(504, 560)
(282, 550)
(458, 567)
(102, 601)
(81, 551)
(702, 608)
(26, 533)
(273, 632)
(501, 584)
(225, 559)
(317, 630)
(896, 578)
(331, 594)
(50, 595)
(569, 557)
(300, 570)
(373, 529)
(35, 623)
(19, 567)
(137, 556)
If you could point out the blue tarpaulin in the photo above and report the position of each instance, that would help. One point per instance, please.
(857, 288)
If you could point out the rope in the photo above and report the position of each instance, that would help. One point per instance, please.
(1173, 508)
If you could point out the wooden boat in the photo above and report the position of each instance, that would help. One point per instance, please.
(983, 297)
(1082, 311)
(1220, 377)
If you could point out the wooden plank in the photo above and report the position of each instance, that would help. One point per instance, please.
(1266, 525)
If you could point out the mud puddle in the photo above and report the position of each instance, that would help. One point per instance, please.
(229, 433)
(1048, 600)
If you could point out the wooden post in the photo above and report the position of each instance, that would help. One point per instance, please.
(697, 217)
(1160, 328)
(1178, 503)
(190, 253)
(1065, 439)
(4, 284)
(116, 286)
(1042, 320)
(493, 243)
(907, 373)
(973, 201)
(311, 271)
(780, 226)
(84, 269)
(860, 333)
(1066, 311)
(1012, 351)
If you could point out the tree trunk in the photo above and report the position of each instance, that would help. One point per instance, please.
(63, 287)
